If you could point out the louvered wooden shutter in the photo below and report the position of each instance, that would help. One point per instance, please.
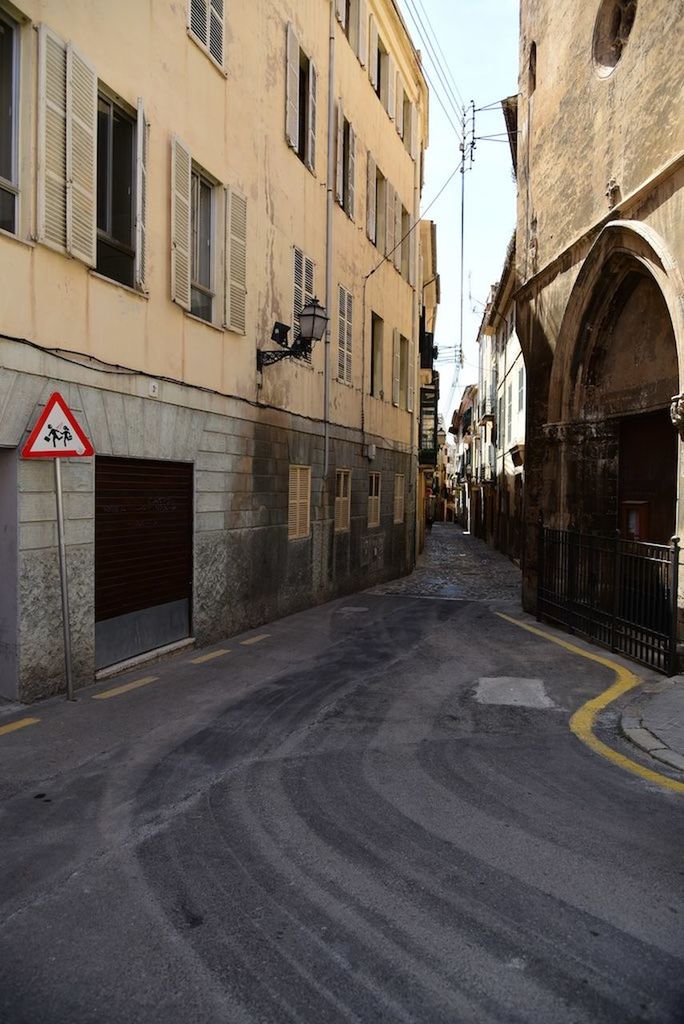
(308, 280)
(370, 199)
(299, 500)
(396, 366)
(292, 90)
(349, 348)
(181, 172)
(399, 118)
(399, 483)
(81, 158)
(414, 131)
(398, 240)
(215, 40)
(411, 390)
(298, 290)
(373, 52)
(236, 261)
(339, 169)
(341, 12)
(351, 173)
(341, 331)
(311, 138)
(51, 204)
(412, 253)
(198, 19)
(141, 142)
(391, 87)
(362, 35)
(390, 223)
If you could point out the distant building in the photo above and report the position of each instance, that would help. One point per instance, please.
(466, 443)
(428, 375)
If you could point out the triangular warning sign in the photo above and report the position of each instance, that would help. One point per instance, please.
(56, 435)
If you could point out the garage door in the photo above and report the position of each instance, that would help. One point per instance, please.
(143, 556)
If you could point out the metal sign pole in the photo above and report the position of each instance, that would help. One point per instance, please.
(63, 581)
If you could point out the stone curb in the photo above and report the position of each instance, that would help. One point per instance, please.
(633, 729)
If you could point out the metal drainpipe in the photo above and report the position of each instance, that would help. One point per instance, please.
(330, 197)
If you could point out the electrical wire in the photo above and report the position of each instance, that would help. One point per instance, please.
(437, 64)
(439, 48)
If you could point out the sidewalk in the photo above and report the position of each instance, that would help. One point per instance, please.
(655, 721)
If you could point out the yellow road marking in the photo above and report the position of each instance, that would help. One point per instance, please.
(106, 694)
(582, 721)
(20, 723)
(208, 657)
(254, 639)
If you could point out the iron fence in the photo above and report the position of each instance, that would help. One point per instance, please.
(619, 593)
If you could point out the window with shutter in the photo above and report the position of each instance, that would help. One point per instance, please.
(341, 12)
(299, 502)
(403, 372)
(350, 177)
(205, 21)
(373, 499)
(373, 54)
(120, 191)
(181, 171)
(311, 119)
(342, 500)
(376, 367)
(390, 220)
(81, 161)
(371, 197)
(414, 132)
(396, 367)
(412, 254)
(411, 394)
(398, 233)
(362, 35)
(202, 252)
(52, 116)
(300, 101)
(345, 335)
(339, 164)
(390, 97)
(9, 121)
(236, 261)
(399, 487)
(292, 89)
(303, 290)
(399, 104)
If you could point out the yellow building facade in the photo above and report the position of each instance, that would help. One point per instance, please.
(175, 180)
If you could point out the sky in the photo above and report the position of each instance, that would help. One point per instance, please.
(478, 40)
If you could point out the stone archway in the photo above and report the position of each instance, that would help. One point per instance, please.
(613, 452)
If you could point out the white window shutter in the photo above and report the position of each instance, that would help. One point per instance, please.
(141, 144)
(311, 140)
(236, 261)
(298, 291)
(215, 39)
(370, 199)
(341, 12)
(362, 35)
(292, 89)
(181, 173)
(341, 331)
(412, 254)
(399, 101)
(373, 52)
(351, 173)
(308, 280)
(391, 86)
(411, 391)
(398, 240)
(81, 158)
(339, 169)
(390, 221)
(350, 339)
(414, 131)
(396, 366)
(51, 192)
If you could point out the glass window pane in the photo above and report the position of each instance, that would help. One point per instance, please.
(103, 110)
(112, 262)
(7, 101)
(204, 268)
(200, 304)
(7, 208)
(122, 178)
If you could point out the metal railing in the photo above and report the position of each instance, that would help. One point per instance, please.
(619, 593)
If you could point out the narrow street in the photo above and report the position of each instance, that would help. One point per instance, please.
(373, 810)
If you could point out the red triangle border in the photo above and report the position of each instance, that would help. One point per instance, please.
(61, 453)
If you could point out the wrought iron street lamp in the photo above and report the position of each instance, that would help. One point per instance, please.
(313, 321)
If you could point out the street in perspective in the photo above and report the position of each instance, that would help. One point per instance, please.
(341, 591)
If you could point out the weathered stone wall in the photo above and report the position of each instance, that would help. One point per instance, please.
(246, 571)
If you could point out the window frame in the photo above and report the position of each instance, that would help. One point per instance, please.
(104, 96)
(13, 187)
(377, 323)
(342, 511)
(199, 174)
(374, 491)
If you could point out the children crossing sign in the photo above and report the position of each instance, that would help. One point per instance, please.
(57, 434)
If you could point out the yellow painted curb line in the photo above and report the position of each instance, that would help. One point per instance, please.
(582, 721)
(203, 658)
(254, 639)
(19, 723)
(125, 688)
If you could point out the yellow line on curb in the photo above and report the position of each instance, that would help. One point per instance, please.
(582, 722)
(208, 657)
(254, 639)
(20, 723)
(106, 694)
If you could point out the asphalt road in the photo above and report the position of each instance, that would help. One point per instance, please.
(339, 823)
